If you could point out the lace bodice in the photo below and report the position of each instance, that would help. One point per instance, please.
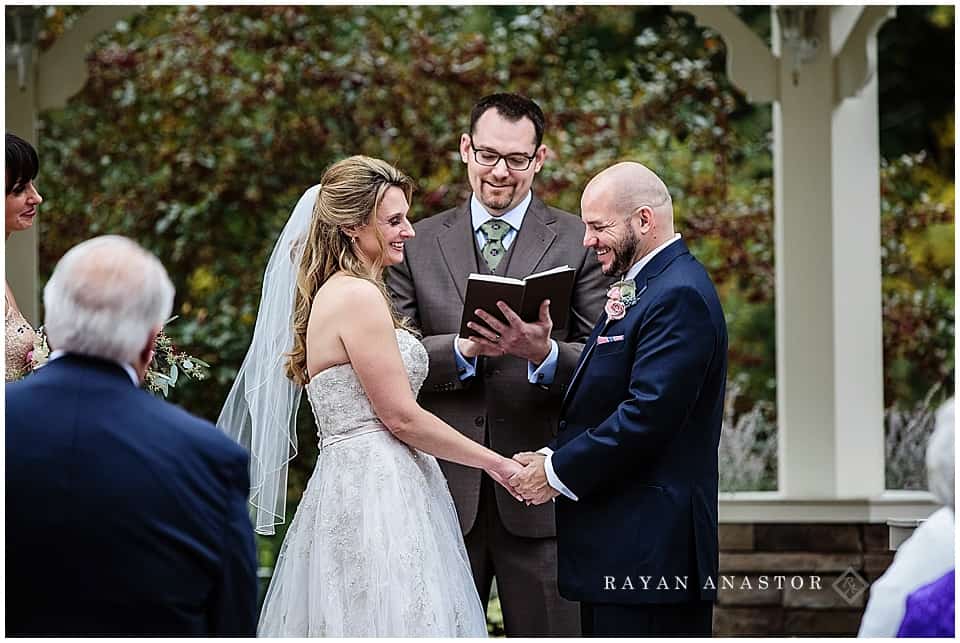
(375, 548)
(19, 337)
(340, 405)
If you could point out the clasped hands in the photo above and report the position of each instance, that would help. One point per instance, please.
(525, 477)
(530, 483)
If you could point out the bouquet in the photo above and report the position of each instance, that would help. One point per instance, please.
(168, 366)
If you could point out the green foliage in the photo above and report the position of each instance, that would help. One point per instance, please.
(200, 126)
(917, 85)
(917, 254)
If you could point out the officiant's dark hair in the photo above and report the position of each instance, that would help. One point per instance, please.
(22, 163)
(512, 107)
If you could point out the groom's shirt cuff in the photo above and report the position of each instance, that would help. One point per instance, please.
(465, 368)
(552, 475)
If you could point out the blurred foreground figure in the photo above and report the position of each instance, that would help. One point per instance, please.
(915, 597)
(125, 514)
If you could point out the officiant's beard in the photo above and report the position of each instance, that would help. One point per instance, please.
(624, 253)
(497, 200)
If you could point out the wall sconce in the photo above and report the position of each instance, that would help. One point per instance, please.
(798, 33)
(21, 34)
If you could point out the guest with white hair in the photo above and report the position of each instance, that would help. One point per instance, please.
(915, 597)
(125, 514)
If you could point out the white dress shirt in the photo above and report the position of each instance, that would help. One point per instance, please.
(631, 274)
(543, 374)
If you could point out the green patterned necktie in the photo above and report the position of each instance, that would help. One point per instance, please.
(494, 230)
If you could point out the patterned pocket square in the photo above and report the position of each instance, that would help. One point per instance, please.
(607, 340)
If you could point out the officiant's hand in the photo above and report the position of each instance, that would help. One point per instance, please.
(502, 471)
(518, 338)
(531, 482)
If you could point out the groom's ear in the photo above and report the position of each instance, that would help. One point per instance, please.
(464, 147)
(643, 217)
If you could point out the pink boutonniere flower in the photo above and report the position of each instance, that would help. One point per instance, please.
(621, 296)
(615, 309)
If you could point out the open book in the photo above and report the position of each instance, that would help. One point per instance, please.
(524, 296)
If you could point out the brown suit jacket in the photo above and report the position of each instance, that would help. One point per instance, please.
(428, 287)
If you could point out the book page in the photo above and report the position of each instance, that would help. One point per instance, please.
(547, 272)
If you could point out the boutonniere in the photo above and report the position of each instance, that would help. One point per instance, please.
(621, 296)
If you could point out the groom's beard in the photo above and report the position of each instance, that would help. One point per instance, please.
(624, 253)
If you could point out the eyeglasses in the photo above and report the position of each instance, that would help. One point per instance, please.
(516, 162)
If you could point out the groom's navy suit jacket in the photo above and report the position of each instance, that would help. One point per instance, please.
(637, 444)
(124, 513)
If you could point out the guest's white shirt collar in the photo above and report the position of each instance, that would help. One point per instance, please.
(514, 216)
(57, 354)
(637, 267)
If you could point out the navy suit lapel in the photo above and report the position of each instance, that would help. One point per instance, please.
(656, 266)
(600, 326)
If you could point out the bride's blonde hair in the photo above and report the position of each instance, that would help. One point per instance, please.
(350, 194)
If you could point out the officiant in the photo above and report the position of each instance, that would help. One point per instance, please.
(503, 385)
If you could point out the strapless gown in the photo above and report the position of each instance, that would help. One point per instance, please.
(375, 547)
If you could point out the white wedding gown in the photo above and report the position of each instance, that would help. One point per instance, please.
(375, 547)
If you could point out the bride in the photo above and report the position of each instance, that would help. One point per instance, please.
(375, 547)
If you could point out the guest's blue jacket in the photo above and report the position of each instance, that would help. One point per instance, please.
(124, 513)
(637, 444)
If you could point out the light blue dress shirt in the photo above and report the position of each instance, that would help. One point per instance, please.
(552, 478)
(544, 374)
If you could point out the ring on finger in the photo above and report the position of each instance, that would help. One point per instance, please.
(496, 337)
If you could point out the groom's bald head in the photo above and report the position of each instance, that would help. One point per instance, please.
(628, 213)
(628, 186)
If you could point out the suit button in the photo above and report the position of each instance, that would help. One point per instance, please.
(478, 421)
(563, 425)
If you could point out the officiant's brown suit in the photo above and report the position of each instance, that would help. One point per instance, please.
(499, 407)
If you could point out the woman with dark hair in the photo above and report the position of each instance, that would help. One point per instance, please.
(22, 201)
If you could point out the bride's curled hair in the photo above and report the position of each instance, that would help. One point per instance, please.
(350, 194)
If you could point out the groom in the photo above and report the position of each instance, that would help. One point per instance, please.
(634, 464)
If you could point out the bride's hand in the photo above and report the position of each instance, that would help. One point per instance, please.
(502, 471)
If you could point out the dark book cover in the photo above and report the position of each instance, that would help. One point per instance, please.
(524, 296)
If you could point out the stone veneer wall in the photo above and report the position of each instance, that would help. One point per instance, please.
(825, 550)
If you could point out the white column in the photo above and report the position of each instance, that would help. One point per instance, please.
(827, 255)
(20, 258)
(858, 327)
(803, 255)
(827, 245)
